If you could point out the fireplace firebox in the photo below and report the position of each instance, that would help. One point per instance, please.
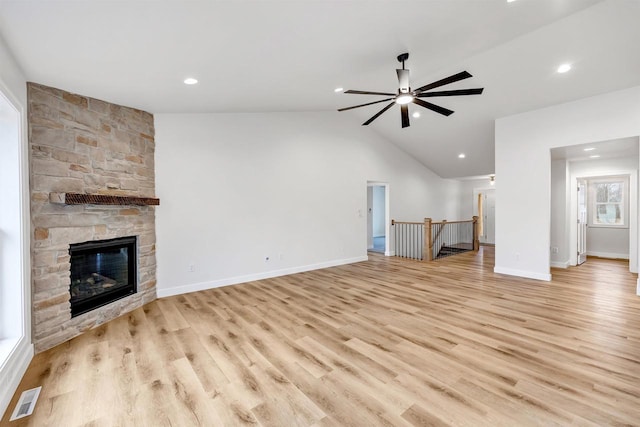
(102, 271)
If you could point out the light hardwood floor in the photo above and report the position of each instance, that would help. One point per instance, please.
(385, 342)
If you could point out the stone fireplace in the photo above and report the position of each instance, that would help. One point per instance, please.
(102, 154)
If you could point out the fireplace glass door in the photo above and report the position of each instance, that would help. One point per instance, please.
(102, 271)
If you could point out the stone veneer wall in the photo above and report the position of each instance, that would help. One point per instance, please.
(84, 145)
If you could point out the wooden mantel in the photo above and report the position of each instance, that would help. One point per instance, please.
(101, 199)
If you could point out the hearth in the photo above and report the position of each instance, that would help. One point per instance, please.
(102, 271)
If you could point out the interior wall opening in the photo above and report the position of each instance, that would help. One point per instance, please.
(378, 218)
(594, 202)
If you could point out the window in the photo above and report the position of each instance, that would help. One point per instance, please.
(608, 202)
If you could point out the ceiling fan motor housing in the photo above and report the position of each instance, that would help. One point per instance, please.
(403, 81)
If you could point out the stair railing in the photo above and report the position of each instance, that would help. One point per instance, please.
(431, 240)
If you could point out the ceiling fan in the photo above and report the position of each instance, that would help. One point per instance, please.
(406, 96)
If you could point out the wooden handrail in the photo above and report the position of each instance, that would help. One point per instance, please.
(394, 222)
(444, 221)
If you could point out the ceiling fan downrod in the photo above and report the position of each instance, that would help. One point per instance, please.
(403, 57)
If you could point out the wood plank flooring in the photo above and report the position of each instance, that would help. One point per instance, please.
(388, 342)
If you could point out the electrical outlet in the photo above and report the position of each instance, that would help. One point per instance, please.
(554, 250)
(192, 268)
(281, 256)
(517, 256)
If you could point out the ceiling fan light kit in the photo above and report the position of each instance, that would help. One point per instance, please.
(406, 96)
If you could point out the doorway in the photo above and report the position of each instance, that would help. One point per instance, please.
(583, 217)
(484, 207)
(582, 221)
(377, 218)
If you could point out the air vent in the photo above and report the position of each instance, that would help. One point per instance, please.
(26, 404)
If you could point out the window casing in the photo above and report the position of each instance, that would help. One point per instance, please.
(608, 204)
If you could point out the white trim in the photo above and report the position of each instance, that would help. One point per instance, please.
(18, 352)
(560, 264)
(12, 371)
(523, 273)
(638, 286)
(592, 202)
(178, 290)
(608, 255)
(389, 253)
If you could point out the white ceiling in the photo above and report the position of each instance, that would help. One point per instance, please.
(612, 149)
(266, 56)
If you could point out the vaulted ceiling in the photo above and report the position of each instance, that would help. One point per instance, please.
(275, 56)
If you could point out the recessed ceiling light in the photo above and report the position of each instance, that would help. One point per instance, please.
(190, 81)
(461, 156)
(589, 149)
(564, 68)
(338, 89)
(416, 114)
(594, 156)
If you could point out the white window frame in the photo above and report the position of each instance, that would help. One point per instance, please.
(592, 200)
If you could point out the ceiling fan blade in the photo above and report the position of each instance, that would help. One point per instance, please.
(454, 78)
(403, 80)
(433, 107)
(364, 92)
(378, 113)
(364, 105)
(477, 91)
(404, 113)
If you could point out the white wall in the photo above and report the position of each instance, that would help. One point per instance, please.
(16, 349)
(378, 211)
(523, 165)
(608, 242)
(559, 221)
(236, 188)
(466, 202)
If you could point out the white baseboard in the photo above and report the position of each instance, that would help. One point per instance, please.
(390, 253)
(638, 286)
(177, 290)
(560, 264)
(608, 255)
(13, 369)
(523, 273)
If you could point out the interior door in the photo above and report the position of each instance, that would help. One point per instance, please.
(490, 217)
(582, 221)
(484, 206)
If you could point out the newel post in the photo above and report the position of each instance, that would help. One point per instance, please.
(476, 241)
(427, 247)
